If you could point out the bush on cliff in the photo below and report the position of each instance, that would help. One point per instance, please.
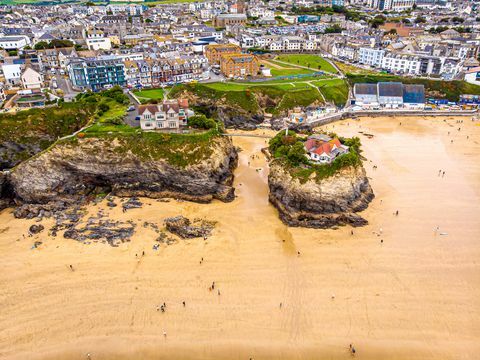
(201, 122)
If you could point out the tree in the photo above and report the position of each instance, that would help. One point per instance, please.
(406, 21)
(334, 29)
(201, 122)
(57, 43)
(420, 20)
(296, 154)
(41, 45)
(457, 20)
(377, 21)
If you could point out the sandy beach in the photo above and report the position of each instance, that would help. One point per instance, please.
(414, 296)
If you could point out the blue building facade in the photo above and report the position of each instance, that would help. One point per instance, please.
(96, 74)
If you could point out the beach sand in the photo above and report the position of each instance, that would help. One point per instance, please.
(414, 296)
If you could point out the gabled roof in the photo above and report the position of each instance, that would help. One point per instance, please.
(414, 94)
(390, 89)
(365, 89)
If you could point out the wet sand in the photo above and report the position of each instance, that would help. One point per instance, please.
(416, 296)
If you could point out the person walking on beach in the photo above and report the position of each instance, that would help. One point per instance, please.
(71, 267)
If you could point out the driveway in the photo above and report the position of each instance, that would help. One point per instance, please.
(64, 84)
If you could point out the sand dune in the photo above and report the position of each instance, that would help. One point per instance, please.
(416, 296)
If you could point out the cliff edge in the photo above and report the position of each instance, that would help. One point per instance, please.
(325, 203)
(128, 166)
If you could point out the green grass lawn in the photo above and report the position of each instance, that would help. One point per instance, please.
(287, 72)
(314, 62)
(285, 94)
(334, 90)
(149, 94)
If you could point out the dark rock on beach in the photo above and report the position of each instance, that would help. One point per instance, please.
(186, 229)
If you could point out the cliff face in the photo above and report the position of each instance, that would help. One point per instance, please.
(71, 171)
(320, 204)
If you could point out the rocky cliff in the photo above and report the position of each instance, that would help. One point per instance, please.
(324, 203)
(72, 170)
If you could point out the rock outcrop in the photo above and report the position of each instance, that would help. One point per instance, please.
(321, 203)
(72, 171)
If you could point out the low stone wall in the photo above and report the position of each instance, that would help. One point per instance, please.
(379, 113)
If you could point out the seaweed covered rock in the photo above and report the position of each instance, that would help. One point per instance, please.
(183, 227)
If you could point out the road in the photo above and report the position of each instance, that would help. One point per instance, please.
(129, 118)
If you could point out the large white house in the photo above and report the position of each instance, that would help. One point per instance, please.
(323, 149)
(169, 115)
(12, 73)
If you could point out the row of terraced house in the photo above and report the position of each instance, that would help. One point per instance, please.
(103, 72)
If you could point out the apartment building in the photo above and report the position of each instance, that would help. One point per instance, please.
(215, 52)
(395, 5)
(371, 56)
(239, 65)
(96, 74)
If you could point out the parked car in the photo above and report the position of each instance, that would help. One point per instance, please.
(137, 118)
(131, 108)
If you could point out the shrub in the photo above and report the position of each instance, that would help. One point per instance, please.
(201, 122)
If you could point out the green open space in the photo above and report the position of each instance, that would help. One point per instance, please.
(149, 94)
(285, 94)
(313, 62)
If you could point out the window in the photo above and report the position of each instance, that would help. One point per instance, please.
(172, 124)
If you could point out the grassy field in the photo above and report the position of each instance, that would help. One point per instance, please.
(450, 90)
(149, 94)
(313, 62)
(285, 94)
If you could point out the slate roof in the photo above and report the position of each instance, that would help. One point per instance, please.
(365, 89)
(390, 89)
(414, 94)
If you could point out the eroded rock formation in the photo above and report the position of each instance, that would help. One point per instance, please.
(321, 203)
(72, 171)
